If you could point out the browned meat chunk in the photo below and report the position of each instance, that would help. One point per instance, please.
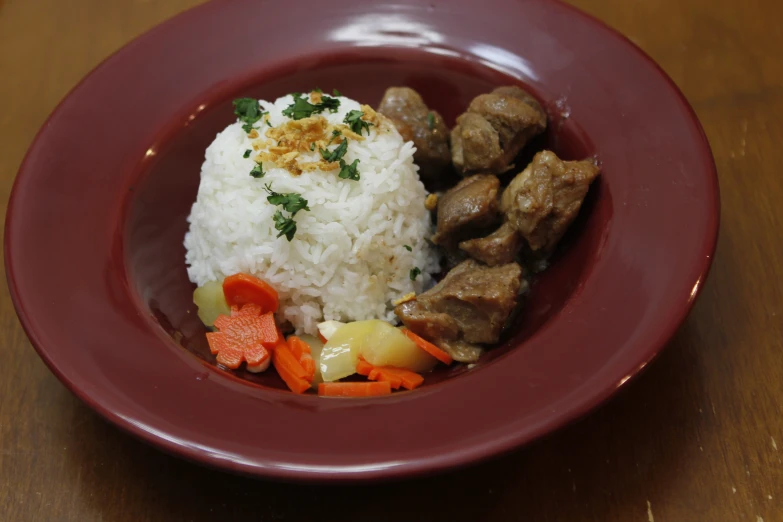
(425, 127)
(493, 130)
(543, 200)
(428, 324)
(476, 298)
(468, 209)
(498, 248)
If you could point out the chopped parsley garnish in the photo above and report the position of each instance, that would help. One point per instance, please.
(336, 154)
(408, 248)
(415, 271)
(356, 123)
(258, 171)
(248, 112)
(349, 171)
(312, 146)
(335, 92)
(291, 202)
(247, 153)
(301, 108)
(335, 133)
(430, 120)
(268, 123)
(286, 226)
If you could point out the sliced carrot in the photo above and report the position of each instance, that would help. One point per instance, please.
(242, 336)
(302, 352)
(428, 347)
(409, 380)
(395, 381)
(269, 333)
(285, 359)
(322, 338)
(396, 377)
(289, 369)
(364, 368)
(353, 389)
(241, 289)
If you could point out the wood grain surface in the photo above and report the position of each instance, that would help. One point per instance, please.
(699, 437)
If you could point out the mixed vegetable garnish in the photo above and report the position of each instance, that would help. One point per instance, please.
(242, 311)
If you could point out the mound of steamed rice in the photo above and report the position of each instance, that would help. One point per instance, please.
(348, 259)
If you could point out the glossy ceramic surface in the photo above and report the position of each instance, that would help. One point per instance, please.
(97, 216)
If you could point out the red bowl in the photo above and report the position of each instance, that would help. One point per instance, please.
(95, 224)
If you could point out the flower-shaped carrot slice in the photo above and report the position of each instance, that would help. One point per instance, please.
(245, 336)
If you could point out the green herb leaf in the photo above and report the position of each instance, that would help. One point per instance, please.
(349, 171)
(408, 248)
(327, 102)
(415, 271)
(335, 92)
(336, 154)
(301, 108)
(430, 120)
(247, 127)
(312, 146)
(318, 90)
(291, 201)
(247, 110)
(258, 171)
(355, 121)
(285, 226)
(247, 153)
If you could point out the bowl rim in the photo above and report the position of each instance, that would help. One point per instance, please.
(428, 465)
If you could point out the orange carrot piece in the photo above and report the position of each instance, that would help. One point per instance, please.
(285, 359)
(377, 374)
(302, 352)
(241, 337)
(428, 347)
(322, 338)
(241, 289)
(298, 347)
(364, 368)
(408, 379)
(396, 377)
(290, 370)
(353, 389)
(269, 333)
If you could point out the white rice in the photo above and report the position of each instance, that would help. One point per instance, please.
(347, 260)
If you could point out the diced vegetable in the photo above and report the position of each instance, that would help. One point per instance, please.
(245, 335)
(388, 346)
(428, 347)
(301, 351)
(316, 345)
(289, 369)
(240, 289)
(327, 328)
(378, 342)
(341, 352)
(396, 377)
(353, 389)
(211, 302)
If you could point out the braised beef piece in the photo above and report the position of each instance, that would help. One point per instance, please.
(469, 306)
(498, 248)
(543, 200)
(467, 210)
(493, 130)
(425, 127)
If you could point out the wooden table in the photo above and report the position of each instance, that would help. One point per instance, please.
(699, 437)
